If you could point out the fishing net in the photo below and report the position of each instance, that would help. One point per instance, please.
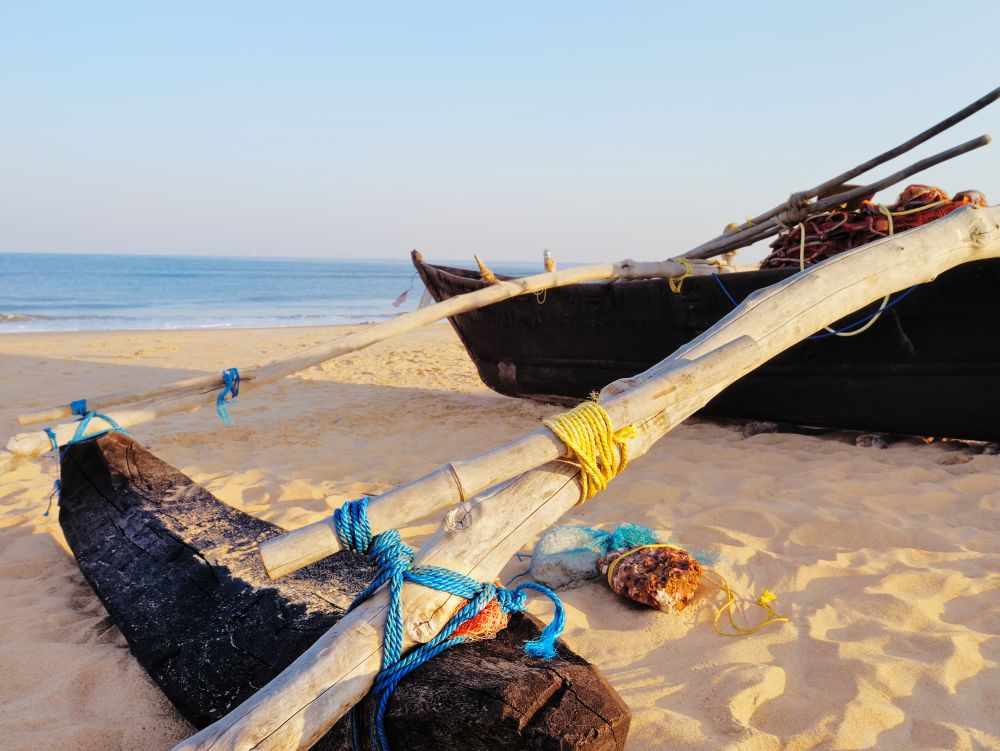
(661, 576)
(834, 232)
(484, 625)
(567, 556)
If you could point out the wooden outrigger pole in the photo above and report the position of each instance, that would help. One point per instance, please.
(478, 537)
(190, 394)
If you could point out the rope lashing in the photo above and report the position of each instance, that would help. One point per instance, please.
(78, 407)
(795, 211)
(79, 435)
(353, 528)
(394, 562)
(677, 282)
(764, 601)
(593, 443)
(231, 379)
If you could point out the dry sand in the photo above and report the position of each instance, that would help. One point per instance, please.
(886, 561)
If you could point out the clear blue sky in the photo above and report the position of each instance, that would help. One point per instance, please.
(602, 130)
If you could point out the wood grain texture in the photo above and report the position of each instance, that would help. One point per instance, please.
(179, 573)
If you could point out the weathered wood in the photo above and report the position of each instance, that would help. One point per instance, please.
(827, 186)
(744, 235)
(477, 538)
(755, 233)
(459, 481)
(178, 572)
(36, 443)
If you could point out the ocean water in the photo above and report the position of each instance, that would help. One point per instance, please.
(76, 292)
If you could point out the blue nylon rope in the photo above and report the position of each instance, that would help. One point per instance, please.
(78, 436)
(395, 566)
(230, 377)
(825, 334)
(79, 407)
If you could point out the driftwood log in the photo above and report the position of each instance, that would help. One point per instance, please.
(477, 538)
(179, 574)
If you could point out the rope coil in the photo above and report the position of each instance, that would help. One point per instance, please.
(592, 443)
(395, 567)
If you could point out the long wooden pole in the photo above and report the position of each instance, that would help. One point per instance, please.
(835, 182)
(792, 215)
(462, 480)
(36, 443)
(754, 230)
(477, 538)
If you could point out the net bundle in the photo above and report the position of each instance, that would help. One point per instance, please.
(834, 232)
(662, 576)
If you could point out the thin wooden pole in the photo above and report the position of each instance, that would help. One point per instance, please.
(886, 156)
(790, 215)
(460, 481)
(177, 397)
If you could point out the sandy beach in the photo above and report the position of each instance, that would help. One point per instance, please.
(885, 560)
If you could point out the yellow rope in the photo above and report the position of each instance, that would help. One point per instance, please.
(885, 300)
(802, 265)
(593, 443)
(627, 553)
(764, 601)
(676, 282)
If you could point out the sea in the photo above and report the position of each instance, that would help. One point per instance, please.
(88, 292)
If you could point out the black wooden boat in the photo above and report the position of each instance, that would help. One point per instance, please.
(929, 366)
(180, 574)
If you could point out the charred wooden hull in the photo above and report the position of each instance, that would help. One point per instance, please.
(926, 367)
(180, 574)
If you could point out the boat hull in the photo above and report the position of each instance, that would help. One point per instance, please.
(180, 574)
(926, 367)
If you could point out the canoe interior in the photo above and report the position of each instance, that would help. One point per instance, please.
(927, 367)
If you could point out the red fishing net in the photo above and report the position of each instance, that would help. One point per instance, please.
(484, 625)
(836, 231)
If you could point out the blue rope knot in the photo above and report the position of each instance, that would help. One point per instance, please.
(231, 378)
(78, 407)
(79, 435)
(395, 565)
(351, 523)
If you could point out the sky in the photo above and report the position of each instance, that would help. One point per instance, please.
(361, 130)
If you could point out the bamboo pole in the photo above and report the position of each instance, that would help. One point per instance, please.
(759, 228)
(835, 182)
(791, 214)
(477, 538)
(459, 481)
(37, 442)
(754, 230)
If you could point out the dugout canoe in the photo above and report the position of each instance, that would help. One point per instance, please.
(180, 574)
(926, 367)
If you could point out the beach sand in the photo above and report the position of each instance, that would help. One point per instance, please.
(885, 561)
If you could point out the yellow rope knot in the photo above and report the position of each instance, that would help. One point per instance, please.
(676, 282)
(593, 443)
